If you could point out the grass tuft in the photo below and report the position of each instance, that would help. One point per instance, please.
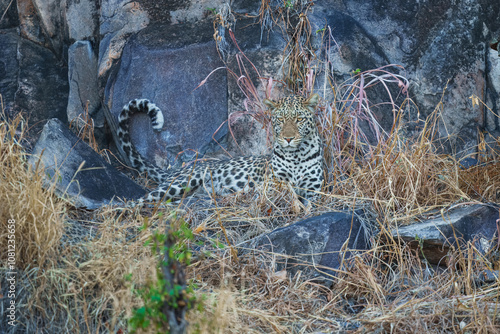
(35, 209)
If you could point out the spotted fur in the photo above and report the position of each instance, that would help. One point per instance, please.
(297, 155)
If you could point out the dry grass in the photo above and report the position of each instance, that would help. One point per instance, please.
(37, 212)
(70, 273)
(401, 178)
(404, 295)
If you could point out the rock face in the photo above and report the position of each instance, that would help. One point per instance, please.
(168, 73)
(92, 185)
(441, 44)
(476, 224)
(32, 81)
(9, 68)
(323, 243)
(10, 17)
(118, 19)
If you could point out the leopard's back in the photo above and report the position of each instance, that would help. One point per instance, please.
(223, 176)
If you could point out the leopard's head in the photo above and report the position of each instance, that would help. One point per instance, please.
(293, 119)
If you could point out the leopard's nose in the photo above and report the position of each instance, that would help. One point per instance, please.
(288, 139)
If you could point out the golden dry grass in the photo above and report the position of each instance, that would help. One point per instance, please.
(38, 214)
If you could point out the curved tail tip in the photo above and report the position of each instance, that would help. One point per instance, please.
(157, 120)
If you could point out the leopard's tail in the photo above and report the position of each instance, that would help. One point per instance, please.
(136, 159)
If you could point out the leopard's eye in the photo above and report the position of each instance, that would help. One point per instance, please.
(280, 118)
(300, 119)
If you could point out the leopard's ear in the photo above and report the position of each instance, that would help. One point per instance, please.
(312, 102)
(270, 104)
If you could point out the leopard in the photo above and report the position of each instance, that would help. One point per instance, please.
(296, 157)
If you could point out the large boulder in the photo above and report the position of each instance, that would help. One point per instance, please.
(434, 237)
(56, 24)
(50, 15)
(168, 71)
(9, 68)
(30, 24)
(317, 246)
(78, 171)
(261, 58)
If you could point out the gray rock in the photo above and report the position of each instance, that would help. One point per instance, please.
(34, 82)
(30, 25)
(119, 19)
(43, 82)
(435, 43)
(82, 19)
(477, 224)
(167, 72)
(83, 85)
(320, 242)
(160, 11)
(264, 50)
(42, 85)
(9, 68)
(55, 24)
(51, 22)
(9, 15)
(193, 11)
(245, 7)
(95, 184)
(487, 276)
